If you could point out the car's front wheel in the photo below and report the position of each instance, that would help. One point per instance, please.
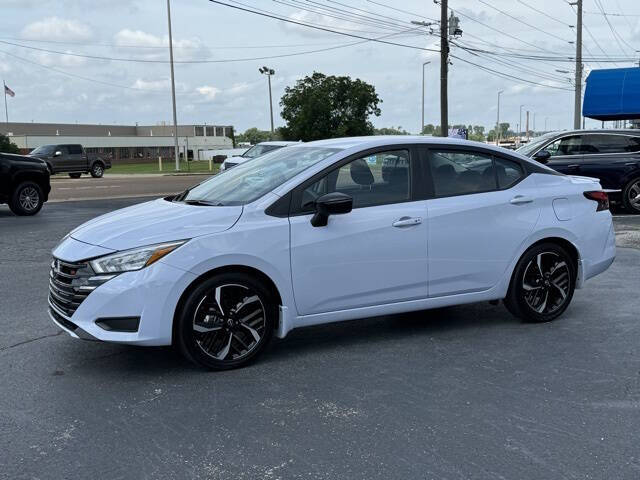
(542, 284)
(27, 199)
(226, 321)
(97, 170)
(631, 196)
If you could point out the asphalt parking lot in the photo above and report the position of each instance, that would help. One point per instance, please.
(466, 392)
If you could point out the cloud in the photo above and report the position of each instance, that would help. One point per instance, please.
(52, 60)
(55, 28)
(208, 92)
(155, 47)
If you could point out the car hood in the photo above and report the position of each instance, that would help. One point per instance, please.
(155, 222)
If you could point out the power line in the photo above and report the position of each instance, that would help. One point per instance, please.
(403, 11)
(541, 12)
(523, 22)
(325, 29)
(616, 36)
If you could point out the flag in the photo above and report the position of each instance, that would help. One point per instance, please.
(9, 92)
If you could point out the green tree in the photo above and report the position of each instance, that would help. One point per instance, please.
(321, 106)
(253, 136)
(431, 129)
(7, 146)
(390, 131)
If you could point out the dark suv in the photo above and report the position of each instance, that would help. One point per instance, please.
(24, 183)
(71, 159)
(613, 156)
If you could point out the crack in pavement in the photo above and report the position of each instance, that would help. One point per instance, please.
(2, 349)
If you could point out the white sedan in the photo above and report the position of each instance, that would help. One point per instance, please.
(254, 152)
(315, 233)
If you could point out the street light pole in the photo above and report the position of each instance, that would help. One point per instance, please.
(520, 125)
(498, 120)
(268, 72)
(578, 92)
(422, 124)
(173, 91)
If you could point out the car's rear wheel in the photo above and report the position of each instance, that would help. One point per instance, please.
(542, 284)
(226, 321)
(75, 175)
(27, 199)
(97, 170)
(631, 196)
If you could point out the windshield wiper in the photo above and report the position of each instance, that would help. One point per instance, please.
(204, 203)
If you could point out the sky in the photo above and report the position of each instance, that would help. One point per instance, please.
(62, 85)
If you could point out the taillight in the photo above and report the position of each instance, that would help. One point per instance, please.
(601, 197)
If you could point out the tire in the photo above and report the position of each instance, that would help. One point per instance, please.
(213, 332)
(75, 175)
(97, 170)
(631, 196)
(542, 284)
(26, 199)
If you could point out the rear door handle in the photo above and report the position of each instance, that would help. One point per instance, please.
(520, 199)
(573, 166)
(407, 222)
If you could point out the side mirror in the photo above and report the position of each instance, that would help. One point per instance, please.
(335, 203)
(542, 156)
(57, 154)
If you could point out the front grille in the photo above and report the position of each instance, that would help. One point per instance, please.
(65, 285)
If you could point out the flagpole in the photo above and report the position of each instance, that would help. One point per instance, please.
(6, 110)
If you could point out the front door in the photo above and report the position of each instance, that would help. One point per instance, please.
(566, 154)
(374, 255)
(484, 209)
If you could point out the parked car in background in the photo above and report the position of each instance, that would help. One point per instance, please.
(72, 159)
(612, 156)
(255, 151)
(24, 183)
(313, 234)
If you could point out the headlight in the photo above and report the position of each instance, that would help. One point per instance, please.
(135, 259)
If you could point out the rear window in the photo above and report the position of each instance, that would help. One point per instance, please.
(74, 149)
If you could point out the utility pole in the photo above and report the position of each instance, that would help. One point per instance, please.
(422, 124)
(268, 72)
(173, 91)
(6, 110)
(520, 125)
(444, 68)
(527, 132)
(578, 96)
(498, 120)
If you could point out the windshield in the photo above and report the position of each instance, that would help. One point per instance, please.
(250, 180)
(43, 150)
(533, 145)
(258, 150)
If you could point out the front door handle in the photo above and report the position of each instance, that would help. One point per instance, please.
(407, 222)
(520, 199)
(573, 166)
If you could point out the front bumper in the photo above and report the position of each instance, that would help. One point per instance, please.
(150, 295)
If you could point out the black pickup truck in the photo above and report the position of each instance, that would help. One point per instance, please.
(24, 183)
(71, 159)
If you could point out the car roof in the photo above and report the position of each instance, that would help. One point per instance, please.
(627, 131)
(382, 140)
(277, 143)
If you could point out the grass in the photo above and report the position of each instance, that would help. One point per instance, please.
(196, 166)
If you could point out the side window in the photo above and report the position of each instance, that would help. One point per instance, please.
(378, 179)
(565, 146)
(508, 173)
(458, 173)
(634, 144)
(62, 149)
(606, 144)
(74, 149)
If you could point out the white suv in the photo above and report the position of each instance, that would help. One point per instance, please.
(315, 233)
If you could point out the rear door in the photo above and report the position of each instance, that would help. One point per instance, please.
(610, 158)
(483, 208)
(76, 158)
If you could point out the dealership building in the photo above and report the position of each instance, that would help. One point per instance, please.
(125, 143)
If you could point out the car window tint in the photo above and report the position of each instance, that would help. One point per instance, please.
(457, 173)
(606, 144)
(565, 146)
(62, 149)
(508, 173)
(377, 179)
(74, 149)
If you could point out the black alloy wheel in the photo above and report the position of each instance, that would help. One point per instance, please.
(542, 285)
(226, 322)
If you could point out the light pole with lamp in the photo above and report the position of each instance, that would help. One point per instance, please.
(498, 120)
(422, 124)
(268, 72)
(520, 126)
